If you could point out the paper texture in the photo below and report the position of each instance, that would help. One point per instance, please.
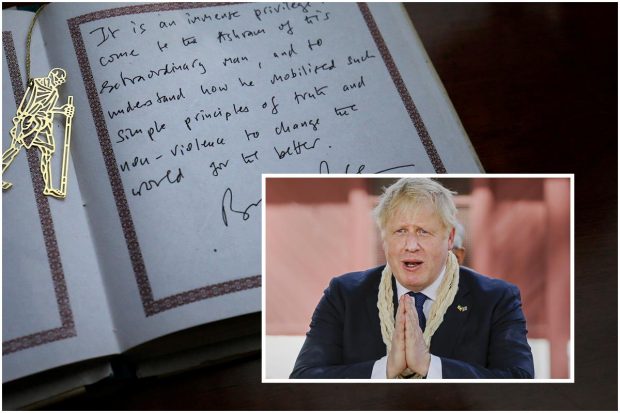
(185, 105)
(241, 90)
(53, 301)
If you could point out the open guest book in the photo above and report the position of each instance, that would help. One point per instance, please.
(179, 109)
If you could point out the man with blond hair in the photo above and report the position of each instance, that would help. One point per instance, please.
(420, 315)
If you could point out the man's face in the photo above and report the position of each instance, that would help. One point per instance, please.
(416, 245)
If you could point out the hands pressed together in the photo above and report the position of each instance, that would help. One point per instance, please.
(408, 347)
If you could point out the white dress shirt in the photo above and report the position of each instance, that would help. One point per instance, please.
(379, 370)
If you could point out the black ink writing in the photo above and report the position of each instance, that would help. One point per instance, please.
(166, 70)
(287, 128)
(138, 28)
(209, 90)
(318, 91)
(113, 57)
(324, 168)
(227, 205)
(137, 161)
(128, 133)
(162, 46)
(253, 135)
(244, 34)
(226, 16)
(196, 145)
(280, 8)
(170, 98)
(156, 183)
(344, 111)
(106, 87)
(296, 149)
(316, 43)
(189, 40)
(355, 85)
(234, 60)
(249, 158)
(218, 167)
(129, 108)
(356, 60)
(318, 17)
(156, 128)
(166, 24)
(301, 71)
(215, 114)
(286, 26)
(394, 167)
(274, 106)
(285, 53)
(106, 34)
(246, 84)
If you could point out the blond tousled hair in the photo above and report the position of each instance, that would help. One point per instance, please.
(412, 193)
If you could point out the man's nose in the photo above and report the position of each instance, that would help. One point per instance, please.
(411, 243)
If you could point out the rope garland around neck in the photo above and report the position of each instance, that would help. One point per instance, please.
(445, 297)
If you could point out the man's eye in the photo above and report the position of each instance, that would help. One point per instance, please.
(422, 231)
(401, 231)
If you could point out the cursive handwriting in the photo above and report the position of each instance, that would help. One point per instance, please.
(113, 57)
(156, 183)
(344, 111)
(394, 167)
(227, 204)
(280, 8)
(324, 168)
(296, 148)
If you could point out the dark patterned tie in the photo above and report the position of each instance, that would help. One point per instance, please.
(419, 305)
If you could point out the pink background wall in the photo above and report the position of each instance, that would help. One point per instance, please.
(515, 229)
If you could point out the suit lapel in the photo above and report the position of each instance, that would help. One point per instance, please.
(449, 332)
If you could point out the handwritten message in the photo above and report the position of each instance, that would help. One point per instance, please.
(198, 102)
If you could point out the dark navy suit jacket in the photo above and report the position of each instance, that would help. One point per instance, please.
(488, 340)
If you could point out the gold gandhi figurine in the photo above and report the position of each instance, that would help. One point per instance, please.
(33, 126)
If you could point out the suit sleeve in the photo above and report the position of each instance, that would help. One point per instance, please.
(508, 353)
(321, 356)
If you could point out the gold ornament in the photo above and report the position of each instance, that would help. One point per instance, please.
(33, 125)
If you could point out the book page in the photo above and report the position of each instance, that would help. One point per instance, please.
(190, 103)
(54, 307)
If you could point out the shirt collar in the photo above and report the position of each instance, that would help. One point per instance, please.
(430, 291)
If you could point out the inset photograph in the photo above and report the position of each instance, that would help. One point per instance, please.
(430, 278)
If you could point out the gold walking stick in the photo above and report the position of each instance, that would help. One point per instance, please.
(65, 151)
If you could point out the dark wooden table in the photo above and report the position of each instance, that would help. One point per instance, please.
(535, 86)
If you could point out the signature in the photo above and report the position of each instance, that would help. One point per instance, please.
(395, 167)
(227, 204)
(324, 168)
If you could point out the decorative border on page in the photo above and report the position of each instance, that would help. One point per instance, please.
(414, 115)
(47, 226)
(150, 304)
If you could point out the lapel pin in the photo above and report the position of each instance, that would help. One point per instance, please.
(461, 308)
